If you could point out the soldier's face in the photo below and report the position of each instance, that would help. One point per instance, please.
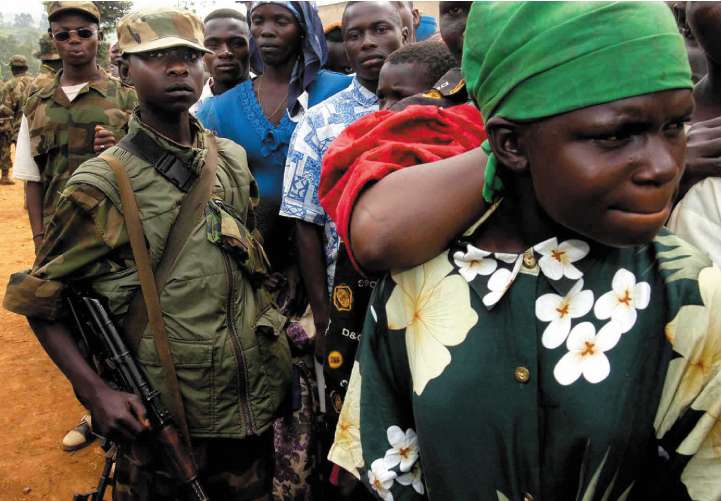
(169, 80)
(76, 50)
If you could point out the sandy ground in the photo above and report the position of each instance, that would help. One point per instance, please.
(37, 405)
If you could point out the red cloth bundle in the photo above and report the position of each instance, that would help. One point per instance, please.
(375, 146)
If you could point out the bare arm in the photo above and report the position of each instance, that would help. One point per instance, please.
(116, 413)
(411, 215)
(34, 201)
(313, 272)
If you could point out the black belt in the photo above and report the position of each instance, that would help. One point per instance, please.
(175, 170)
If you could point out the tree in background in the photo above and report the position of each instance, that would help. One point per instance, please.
(23, 20)
(110, 14)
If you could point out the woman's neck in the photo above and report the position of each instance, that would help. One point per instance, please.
(174, 126)
(75, 75)
(279, 74)
(518, 223)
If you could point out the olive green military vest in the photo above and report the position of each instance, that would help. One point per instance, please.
(232, 374)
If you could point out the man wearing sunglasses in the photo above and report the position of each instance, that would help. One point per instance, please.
(80, 114)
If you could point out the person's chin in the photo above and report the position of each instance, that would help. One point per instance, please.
(629, 228)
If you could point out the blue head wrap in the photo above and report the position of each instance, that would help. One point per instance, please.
(313, 49)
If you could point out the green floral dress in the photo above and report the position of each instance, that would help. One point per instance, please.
(573, 371)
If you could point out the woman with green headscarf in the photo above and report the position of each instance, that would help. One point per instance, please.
(565, 347)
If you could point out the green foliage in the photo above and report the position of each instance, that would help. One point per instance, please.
(110, 14)
(23, 20)
(23, 41)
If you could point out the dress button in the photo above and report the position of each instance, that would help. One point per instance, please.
(529, 259)
(521, 374)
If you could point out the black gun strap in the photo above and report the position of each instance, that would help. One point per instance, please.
(138, 316)
(168, 165)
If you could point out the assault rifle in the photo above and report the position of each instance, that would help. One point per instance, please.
(115, 361)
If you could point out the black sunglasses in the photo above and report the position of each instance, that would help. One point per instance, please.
(64, 36)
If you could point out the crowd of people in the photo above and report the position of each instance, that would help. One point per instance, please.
(377, 260)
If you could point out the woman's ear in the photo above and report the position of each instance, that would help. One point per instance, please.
(506, 141)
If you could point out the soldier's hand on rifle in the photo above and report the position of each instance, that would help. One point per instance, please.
(118, 415)
(104, 139)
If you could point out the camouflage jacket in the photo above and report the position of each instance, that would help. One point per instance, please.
(232, 362)
(45, 77)
(15, 93)
(62, 133)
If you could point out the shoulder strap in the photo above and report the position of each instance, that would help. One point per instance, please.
(138, 316)
(191, 209)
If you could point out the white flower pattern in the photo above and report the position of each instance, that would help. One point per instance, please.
(404, 448)
(559, 312)
(474, 262)
(499, 283)
(413, 478)
(381, 479)
(556, 261)
(622, 302)
(586, 356)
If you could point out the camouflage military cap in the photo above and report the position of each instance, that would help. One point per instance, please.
(162, 28)
(18, 61)
(89, 8)
(47, 51)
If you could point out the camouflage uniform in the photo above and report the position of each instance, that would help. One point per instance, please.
(6, 131)
(47, 55)
(232, 361)
(14, 94)
(45, 77)
(62, 133)
(17, 91)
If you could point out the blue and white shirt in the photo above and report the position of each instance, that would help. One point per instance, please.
(319, 127)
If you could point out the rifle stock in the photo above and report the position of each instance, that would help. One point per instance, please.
(107, 345)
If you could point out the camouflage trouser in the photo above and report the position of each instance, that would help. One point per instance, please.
(5, 161)
(233, 470)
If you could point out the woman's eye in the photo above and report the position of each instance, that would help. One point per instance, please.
(613, 137)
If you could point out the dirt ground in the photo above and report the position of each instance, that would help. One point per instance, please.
(37, 405)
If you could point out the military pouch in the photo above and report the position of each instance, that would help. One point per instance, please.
(225, 228)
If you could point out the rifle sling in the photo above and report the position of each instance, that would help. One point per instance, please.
(138, 316)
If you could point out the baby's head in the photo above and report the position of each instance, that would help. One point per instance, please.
(412, 69)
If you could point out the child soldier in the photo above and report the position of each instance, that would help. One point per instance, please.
(231, 375)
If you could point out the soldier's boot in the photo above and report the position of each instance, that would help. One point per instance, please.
(5, 179)
(80, 436)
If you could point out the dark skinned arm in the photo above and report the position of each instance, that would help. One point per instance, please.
(312, 265)
(115, 414)
(412, 215)
(34, 201)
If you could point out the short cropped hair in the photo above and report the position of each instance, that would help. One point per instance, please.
(351, 3)
(434, 56)
(225, 14)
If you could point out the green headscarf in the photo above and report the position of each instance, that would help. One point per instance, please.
(530, 60)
